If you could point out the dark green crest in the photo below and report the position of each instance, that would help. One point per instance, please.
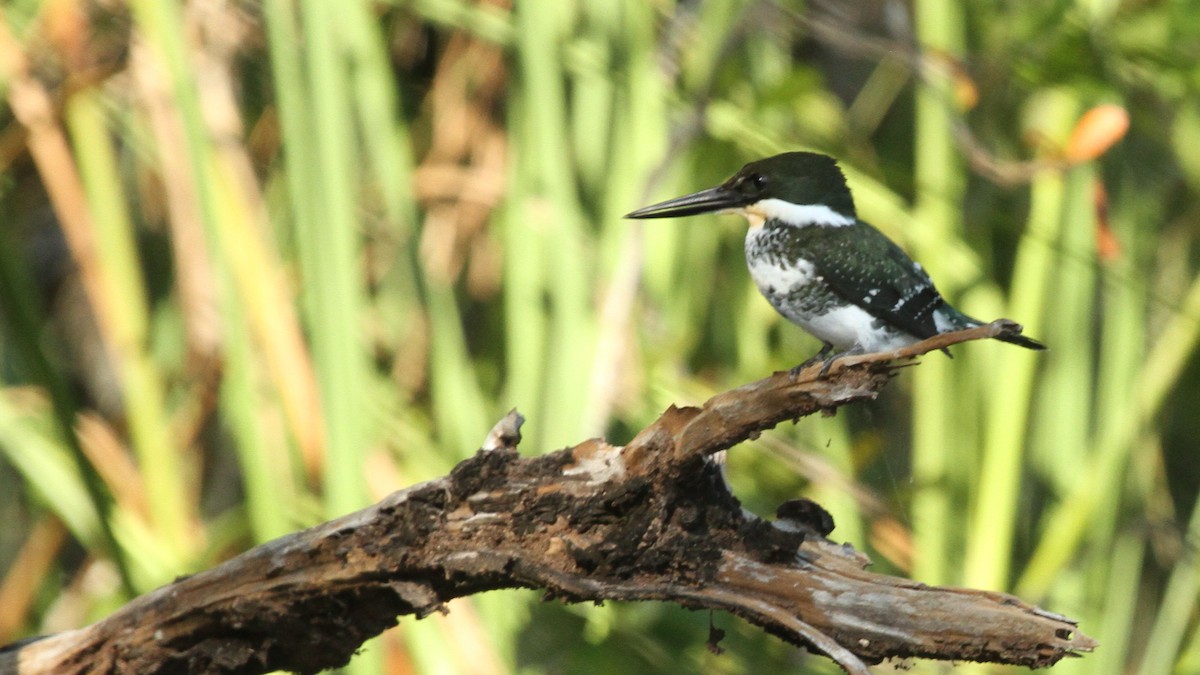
(798, 178)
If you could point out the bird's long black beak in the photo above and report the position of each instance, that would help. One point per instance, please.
(706, 201)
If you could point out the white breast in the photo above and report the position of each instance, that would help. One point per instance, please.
(773, 278)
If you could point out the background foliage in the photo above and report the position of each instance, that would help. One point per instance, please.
(263, 263)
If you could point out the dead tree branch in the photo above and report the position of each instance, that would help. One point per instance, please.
(652, 520)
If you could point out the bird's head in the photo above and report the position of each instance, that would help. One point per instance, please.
(800, 188)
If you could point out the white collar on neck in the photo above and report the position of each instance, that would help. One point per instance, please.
(796, 214)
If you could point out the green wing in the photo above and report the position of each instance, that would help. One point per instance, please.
(865, 268)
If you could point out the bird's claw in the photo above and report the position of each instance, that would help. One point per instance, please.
(822, 355)
(828, 364)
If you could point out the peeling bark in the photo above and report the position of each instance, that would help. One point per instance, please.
(652, 520)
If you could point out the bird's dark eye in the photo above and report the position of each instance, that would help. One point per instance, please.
(749, 185)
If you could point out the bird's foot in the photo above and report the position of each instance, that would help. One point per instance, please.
(819, 356)
(853, 351)
(825, 359)
(828, 364)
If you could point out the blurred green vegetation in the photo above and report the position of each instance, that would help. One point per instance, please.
(262, 264)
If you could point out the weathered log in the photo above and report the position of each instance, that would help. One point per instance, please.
(653, 520)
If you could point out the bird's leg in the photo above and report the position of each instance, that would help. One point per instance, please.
(856, 349)
(819, 356)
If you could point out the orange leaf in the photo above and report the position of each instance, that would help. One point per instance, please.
(1096, 132)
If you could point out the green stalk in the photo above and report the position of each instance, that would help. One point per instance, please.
(526, 329)
(938, 207)
(328, 260)
(1010, 384)
(458, 405)
(328, 249)
(545, 148)
(1065, 412)
(1120, 608)
(460, 412)
(168, 482)
(242, 262)
(835, 440)
(377, 105)
(269, 482)
(593, 86)
(932, 501)
(51, 471)
(1060, 440)
(1177, 610)
(638, 119)
(1070, 519)
(1121, 351)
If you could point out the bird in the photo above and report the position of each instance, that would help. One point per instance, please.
(820, 266)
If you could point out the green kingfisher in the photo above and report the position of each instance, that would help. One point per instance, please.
(821, 267)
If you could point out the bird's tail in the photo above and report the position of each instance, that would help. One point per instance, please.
(960, 320)
(1021, 341)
